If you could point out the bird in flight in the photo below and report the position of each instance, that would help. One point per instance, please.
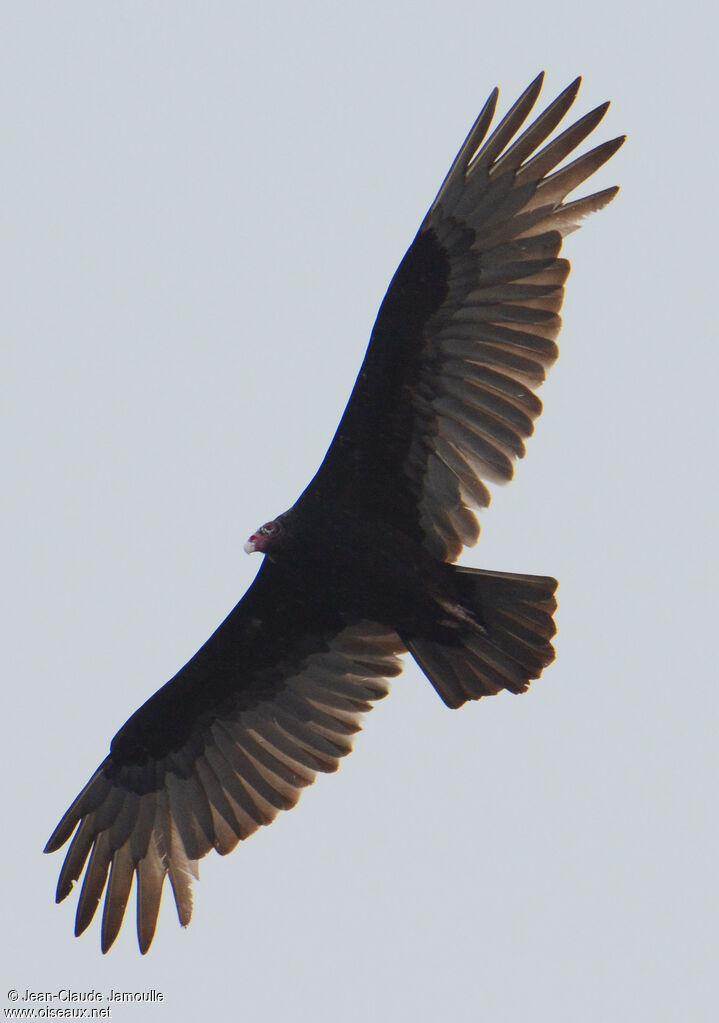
(360, 570)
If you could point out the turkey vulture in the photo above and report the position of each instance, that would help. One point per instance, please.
(359, 570)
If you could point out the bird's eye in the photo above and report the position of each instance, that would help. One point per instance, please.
(269, 530)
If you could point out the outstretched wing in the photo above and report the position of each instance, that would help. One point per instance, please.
(445, 397)
(273, 697)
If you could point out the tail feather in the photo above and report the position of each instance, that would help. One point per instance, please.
(501, 640)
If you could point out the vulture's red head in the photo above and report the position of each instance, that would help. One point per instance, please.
(267, 538)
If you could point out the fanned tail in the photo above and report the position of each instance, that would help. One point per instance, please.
(502, 636)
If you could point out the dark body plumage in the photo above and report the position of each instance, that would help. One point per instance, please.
(360, 569)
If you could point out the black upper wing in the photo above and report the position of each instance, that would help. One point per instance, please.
(274, 696)
(445, 396)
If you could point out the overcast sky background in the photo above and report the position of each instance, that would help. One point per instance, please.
(202, 206)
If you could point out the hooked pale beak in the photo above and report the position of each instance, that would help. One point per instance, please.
(250, 547)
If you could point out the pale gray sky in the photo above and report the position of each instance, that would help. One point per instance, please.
(202, 208)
